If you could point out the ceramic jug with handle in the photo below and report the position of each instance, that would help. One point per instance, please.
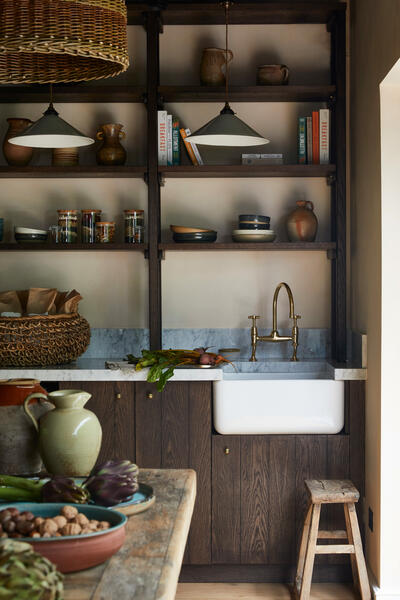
(70, 435)
(301, 223)
(212, 63)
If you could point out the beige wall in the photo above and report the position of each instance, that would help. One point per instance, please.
(375, 47)
(199, 290)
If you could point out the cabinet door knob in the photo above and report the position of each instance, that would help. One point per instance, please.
(226, 450)
(118, 396)
(149, 396)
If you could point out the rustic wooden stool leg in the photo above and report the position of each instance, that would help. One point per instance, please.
(310, 554)
(351, 541)
(353, 532)
(302, 551)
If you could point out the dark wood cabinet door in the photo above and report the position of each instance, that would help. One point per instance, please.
(114, 405)
(174, 431)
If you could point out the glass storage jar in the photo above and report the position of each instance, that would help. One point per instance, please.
(134, 226)
(105, 231)
(89, 220)
(68, 223)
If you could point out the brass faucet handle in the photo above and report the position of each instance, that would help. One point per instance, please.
(254, 317)
(295, 319)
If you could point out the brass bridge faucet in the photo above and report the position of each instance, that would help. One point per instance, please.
(274, 335)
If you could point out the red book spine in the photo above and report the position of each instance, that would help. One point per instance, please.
(315, 137)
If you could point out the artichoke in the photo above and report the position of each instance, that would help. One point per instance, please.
(108, 490)
(117, 467)
(63, 489)
(26, 575)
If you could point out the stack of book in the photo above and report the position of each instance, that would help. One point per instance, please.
(313, 138)
(169, 134)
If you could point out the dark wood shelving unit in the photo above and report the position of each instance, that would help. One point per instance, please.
(95, 171)
(35, 247)
(209, 171)
(240, 246)
(254, 93)
(73, 93)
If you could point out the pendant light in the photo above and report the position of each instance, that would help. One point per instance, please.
(226, 129)
(50, 131)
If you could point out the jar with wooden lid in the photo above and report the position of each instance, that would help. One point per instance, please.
(68, 223)
(89, 219)
(105, 231)
(134, 226)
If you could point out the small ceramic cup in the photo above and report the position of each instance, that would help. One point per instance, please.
(272, 75)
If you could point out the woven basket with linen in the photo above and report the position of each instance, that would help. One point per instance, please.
(42, 340)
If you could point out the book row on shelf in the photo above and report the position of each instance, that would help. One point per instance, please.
(314, 138)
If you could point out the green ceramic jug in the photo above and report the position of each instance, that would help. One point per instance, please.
(69, 435)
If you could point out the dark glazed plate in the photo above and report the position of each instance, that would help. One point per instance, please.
(30, 237)
(206, 236)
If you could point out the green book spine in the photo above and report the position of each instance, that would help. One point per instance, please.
(302, 146)
(176, 158)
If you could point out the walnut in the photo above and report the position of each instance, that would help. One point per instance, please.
(71, 529)
(58, 534)
(24, 526)
(48, 526)
(69, 512)
(38, 521)
(86, 530)
(81, 519)
(46, 535)
(60, 521)
(34, 534)
(93, 524)
(104, 525)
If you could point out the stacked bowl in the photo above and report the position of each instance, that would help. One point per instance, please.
(253, 228)
(182, 234)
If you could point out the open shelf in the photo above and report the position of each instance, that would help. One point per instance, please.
(248, 171)
(78, 171)
(309, 246)
(33, 247)
(72, 93)
(254, 93)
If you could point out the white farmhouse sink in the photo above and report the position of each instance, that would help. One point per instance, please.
(260, 403)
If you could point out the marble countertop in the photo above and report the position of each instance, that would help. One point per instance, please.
(96, 369)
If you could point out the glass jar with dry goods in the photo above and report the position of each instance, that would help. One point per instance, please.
(89, 220)
(105, 231)
(134, 226)
(68, 223)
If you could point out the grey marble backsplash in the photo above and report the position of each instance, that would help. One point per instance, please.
(116, 343)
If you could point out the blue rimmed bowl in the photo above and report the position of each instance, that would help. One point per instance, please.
(254, 222)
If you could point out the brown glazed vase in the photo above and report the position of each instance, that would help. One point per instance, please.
(212, 62)
(111, 152)
(16, 156)
(302, 224)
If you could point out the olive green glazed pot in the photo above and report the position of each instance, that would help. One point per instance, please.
(69, 435)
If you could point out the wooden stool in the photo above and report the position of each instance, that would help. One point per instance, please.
(324, 491)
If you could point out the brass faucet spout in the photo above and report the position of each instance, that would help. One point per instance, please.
(275, 304)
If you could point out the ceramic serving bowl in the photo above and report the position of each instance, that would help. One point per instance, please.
(200, 236)
(254, 222)
(253, 235)
(182, 229)
(77, 552)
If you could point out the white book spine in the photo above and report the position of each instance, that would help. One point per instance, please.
(324, 114)
(309, 140)
(169, 140)
(195, 148)
(162, 137)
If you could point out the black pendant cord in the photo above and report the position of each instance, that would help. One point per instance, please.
(227, 108)
(51, 110)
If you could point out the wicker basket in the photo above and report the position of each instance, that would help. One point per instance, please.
(50, 41)
(43, 340)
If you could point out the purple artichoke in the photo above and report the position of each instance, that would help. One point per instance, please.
(63, 489)
(117, 467)
(108, 490)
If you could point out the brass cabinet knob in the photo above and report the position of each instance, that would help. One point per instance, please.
(118, 396)
(226, 450)
(149, 396)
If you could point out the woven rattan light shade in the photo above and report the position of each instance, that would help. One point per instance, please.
(50, 41)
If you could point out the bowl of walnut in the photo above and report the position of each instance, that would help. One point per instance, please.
(72, 537)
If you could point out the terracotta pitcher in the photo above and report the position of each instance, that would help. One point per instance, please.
(212, 63)
(19, 444)
(16, 156)
(111, 152)
(70, 435)
(302, 224)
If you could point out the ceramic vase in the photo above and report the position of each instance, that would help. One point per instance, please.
(111, 152)
(19, 444)
(70, 435)
(16, 156)
(212, 63)
(302, 224)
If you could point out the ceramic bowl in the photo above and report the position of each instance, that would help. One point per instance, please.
(25, 230)
(182, 229)
(77, 552)
(254, 222)
(253, 235)
(198, 237)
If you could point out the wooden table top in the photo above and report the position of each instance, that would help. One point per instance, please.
(147, 566)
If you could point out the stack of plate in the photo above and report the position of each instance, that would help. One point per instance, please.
(25, 234)
(253, 235)
(192, 234)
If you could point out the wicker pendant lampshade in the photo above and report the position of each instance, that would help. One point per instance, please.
(52, 41)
